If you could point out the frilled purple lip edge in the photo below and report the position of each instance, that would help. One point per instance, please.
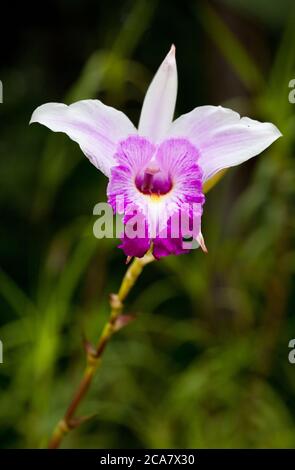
(159, 246)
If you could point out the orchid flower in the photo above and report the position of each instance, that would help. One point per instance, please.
(160, 168)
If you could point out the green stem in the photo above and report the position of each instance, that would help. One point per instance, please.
(94, 355)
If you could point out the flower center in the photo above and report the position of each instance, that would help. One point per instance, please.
(153, 182)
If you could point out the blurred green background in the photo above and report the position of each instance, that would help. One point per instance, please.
(206, 362)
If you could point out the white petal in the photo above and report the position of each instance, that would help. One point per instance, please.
(97, 128)
(222, 137)
(159, 103)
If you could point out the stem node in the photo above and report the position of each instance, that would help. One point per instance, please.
(94, 354)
